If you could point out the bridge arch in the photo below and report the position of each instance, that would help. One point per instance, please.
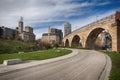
(99, 38)
(90, 32)
(76, 42)
(67, 43)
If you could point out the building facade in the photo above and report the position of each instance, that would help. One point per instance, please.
(67, 29)
(57, 32)
(53, 36)
(26, 35)
(18, 33)
(8, 33)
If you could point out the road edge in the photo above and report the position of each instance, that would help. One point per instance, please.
(17, 67)
(106, 71)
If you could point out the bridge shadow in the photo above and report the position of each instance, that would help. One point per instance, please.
(99, 39)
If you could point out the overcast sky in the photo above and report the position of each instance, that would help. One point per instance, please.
(40, 14)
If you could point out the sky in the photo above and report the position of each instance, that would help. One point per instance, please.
(40, 14)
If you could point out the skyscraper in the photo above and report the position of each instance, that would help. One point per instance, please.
(67, 29)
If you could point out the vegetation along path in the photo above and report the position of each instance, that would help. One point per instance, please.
(115, 71)
(37, 55)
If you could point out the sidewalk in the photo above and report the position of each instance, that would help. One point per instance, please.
(27, 64)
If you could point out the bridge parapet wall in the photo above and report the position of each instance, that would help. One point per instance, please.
(99, 23)
(105, 24)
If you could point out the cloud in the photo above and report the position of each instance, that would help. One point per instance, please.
(43, 13)
(104, 3)
(83, 22)
(35, 10)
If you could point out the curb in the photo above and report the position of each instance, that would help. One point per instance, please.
(17, 67)
(106, 71)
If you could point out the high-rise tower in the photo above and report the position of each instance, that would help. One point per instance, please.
(67, 29)
(20, 25)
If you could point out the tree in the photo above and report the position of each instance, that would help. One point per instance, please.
(47, 45)
(1, 32)
(56, 45)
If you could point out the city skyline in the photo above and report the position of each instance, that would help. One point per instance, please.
(42, 14)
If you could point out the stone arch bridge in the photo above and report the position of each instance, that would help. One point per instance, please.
(86, 36)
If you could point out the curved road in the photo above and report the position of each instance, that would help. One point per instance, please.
(86, 65)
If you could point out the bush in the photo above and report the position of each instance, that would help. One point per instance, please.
(47, 45)
(12, 46)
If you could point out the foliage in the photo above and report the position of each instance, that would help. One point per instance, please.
(1, 32)
(13, 46)
(9, 38)
(47, 45)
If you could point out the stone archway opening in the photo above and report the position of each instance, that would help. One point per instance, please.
(67, 43)
(99, 39)
(76, 42)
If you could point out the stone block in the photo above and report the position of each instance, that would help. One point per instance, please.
(12, 61)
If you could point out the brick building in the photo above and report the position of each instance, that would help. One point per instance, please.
(53, 36)
(26, 35)
(18, 33)
(8, 32)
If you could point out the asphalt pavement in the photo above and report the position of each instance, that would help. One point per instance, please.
(80, 65)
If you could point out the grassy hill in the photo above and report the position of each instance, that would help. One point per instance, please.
(13, 46)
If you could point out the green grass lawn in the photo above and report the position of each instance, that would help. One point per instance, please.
(38, 55)
(115, 72)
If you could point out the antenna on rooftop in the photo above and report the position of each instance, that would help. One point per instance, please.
(21, 18)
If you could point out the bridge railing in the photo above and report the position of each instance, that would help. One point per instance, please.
(93, 23)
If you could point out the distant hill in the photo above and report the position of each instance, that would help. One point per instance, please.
(13, 46)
